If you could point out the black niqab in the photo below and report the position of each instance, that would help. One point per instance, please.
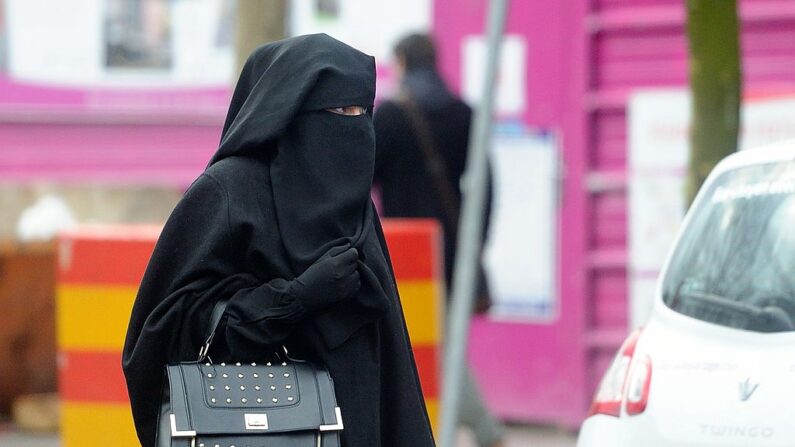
(288, 185)
(283, 78)
(323, 164)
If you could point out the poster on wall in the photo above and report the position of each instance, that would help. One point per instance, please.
(659, 123)
(521, 251)
(120, 42)
(137, 35)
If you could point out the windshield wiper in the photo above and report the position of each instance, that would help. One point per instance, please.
(770, 318)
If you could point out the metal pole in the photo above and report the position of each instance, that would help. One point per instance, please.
(470, 228)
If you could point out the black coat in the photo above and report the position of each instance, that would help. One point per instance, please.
(407, 187)
(228, 237)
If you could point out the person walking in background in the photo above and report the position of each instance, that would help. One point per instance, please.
(422, 136)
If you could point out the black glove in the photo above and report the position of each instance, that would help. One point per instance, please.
(331, 279)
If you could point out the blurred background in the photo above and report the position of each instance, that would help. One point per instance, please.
(110, 108)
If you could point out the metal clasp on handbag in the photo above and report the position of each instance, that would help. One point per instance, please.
(204, 351)
(258, 421)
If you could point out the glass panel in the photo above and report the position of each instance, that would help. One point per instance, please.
(735, 264)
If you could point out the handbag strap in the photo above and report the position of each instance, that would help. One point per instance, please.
(434, 163)
(215, 320)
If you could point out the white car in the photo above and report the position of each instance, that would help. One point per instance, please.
(715, 363)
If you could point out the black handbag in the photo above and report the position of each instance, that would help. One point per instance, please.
(285, 403)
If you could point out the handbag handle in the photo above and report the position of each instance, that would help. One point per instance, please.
(215, 320)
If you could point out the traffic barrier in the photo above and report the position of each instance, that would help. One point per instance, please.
(99, 269)
(415, 249)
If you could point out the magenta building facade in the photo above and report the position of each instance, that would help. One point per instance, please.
(584, 58)
(107, 135)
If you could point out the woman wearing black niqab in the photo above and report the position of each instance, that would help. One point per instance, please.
(281, 222)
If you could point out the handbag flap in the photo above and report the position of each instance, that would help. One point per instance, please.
(215, 399)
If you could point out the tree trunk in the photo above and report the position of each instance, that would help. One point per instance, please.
(258, 22)
(715, 83)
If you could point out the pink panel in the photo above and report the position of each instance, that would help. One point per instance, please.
(538, 22)
(520, 369)
(535, 371)
(159, 101)
(608, 304)
(610, 136)
(129, 153)
(130, 135)
(603, 4)
(768, 53)
(609, 228)
(629, 57)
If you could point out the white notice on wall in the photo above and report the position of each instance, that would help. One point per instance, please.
(511, 79)
(521, 251)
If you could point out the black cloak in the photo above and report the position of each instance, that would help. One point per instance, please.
(288, 185)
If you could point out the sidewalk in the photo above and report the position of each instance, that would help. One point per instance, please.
(517, 437)
(11, 439)
(529, 436)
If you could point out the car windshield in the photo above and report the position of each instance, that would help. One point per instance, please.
(735, 262)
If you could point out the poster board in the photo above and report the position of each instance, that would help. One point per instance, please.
(84, 60)
(120, 42)
(521, 253)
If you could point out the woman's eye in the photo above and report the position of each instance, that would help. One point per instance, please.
(348, 110)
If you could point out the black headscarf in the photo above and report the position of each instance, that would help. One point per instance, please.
(322, 163)
(281, 79)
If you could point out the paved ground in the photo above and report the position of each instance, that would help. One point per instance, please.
(10, 439)
(524, 436)
(518, 437)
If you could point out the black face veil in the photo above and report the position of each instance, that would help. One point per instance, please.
(321, 164)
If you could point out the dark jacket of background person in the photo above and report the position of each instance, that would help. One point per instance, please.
(287, 190)
(407, 189)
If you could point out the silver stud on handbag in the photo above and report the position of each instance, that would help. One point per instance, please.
(286, 404)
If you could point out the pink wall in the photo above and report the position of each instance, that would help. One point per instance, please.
(107, 135)
(584, 59)
(536, 372)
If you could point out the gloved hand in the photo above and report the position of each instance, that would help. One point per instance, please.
(331, 279)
